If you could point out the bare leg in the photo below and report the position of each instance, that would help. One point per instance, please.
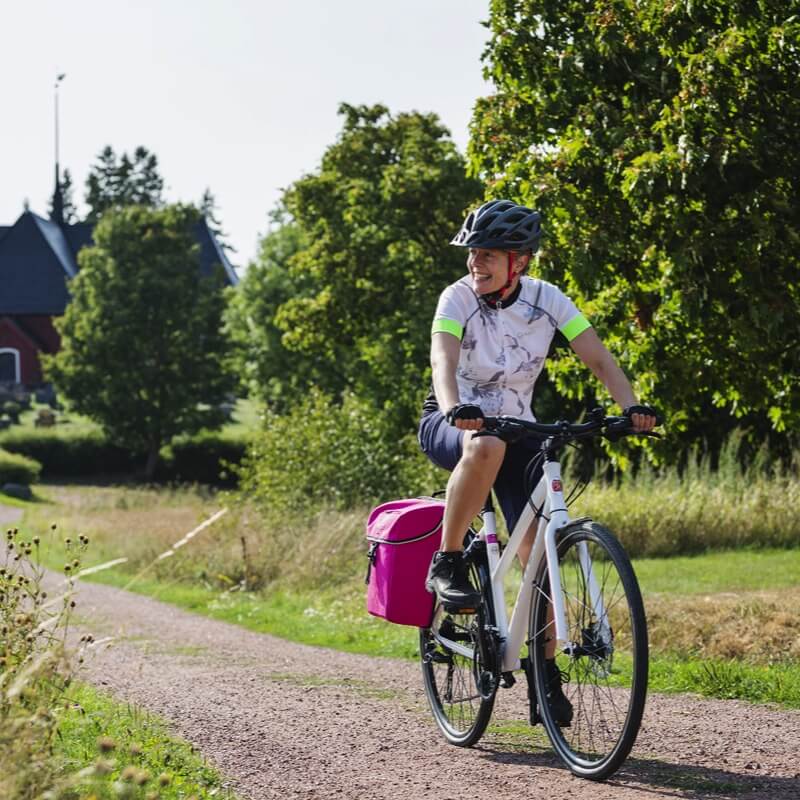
(469, 486)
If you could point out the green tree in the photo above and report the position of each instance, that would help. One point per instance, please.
(209, 209)
(123, 181)
(659, 139)
(68, 210)
(142, 351)
(273, 373)
(377, 217)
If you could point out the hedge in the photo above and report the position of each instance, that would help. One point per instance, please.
(73, 455)
(16, 468)
(200, 459)
(203, 459)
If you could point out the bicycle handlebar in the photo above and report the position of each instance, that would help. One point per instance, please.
(612, 427)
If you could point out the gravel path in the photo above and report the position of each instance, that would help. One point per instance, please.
(9, 515)
(282, 720)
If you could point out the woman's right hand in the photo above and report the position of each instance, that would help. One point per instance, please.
(465, 417)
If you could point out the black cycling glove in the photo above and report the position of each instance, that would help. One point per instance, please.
(646, 410)
(463, 411)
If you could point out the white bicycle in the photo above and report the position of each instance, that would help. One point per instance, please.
(578, 588)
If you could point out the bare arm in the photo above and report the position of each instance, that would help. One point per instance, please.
(594, 354)
(445, 352)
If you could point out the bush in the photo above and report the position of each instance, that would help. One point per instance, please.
(13, 410)
(73, 455)
(16, 468)
(324, 453)
(206, 458)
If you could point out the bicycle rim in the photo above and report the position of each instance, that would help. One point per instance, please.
(606, 674)
(460, 688)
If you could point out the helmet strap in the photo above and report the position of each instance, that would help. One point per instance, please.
(495, 298)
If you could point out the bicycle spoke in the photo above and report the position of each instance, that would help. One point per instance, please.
(606, 666)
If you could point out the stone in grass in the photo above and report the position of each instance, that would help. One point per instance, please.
(18, 490)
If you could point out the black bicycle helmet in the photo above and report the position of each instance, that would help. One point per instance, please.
(501, 225)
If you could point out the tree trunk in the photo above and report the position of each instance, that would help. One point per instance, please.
(151, 463)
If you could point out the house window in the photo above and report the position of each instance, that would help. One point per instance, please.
(9, 365)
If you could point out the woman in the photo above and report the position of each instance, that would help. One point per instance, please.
(491, 334)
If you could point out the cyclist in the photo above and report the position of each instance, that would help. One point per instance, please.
(491, 334)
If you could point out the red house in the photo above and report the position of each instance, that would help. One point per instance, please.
(38, 257)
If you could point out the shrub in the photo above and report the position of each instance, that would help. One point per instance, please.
(206, 458)
(76, 454)
(13, 410)
(16, 468)
(321, 452)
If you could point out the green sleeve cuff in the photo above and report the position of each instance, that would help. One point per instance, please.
(448, 326)
(575, 326)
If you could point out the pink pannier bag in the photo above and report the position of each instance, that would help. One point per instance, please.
(403, 536)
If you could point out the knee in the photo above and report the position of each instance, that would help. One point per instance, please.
(484, 451)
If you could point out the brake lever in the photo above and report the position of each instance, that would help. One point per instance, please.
(615, 436)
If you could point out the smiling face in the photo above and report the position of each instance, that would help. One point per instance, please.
(489, 269)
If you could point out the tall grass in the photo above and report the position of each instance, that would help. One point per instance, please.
(56, 735)
(667, 512)
(34, 671)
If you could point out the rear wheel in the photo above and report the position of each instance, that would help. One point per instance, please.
(604, 667)
(460, 667)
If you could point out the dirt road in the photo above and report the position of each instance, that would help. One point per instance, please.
(282, 720)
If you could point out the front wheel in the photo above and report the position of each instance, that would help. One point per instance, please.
(460, 667)
(603, 666)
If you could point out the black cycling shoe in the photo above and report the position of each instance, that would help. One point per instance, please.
(560, 707)
(447, 577)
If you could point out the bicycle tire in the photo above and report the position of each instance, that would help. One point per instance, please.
(460, 690)
(606, 674)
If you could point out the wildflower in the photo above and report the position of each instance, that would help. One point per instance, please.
(135, 749)
(103, 766)
(164, 779)
(142, 777)
(128, 774)
(106, 744)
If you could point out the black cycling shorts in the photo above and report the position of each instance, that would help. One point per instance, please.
(442, 443)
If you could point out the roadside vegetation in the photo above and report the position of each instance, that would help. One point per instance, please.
(721, 600)
(60, 739)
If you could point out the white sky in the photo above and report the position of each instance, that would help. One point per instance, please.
(236, 95)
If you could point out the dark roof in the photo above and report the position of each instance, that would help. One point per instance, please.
(211, 254)
(38, 257)
(35, 263)
(78, 236)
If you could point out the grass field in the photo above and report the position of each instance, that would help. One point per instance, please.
(723, 624)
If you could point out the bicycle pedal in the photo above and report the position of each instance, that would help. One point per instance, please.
(507, 680)
(452, 608)
(440, 658)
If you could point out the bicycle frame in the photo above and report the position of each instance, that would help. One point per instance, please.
(549, 498)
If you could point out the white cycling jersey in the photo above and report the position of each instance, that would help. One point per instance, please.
(503, 349)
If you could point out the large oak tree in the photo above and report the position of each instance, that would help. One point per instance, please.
(660, 141)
